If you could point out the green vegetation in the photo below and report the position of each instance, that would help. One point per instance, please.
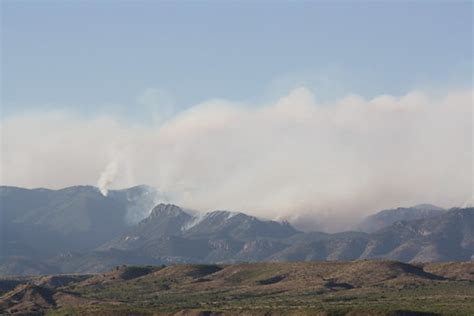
(444, 298)
(304, 288)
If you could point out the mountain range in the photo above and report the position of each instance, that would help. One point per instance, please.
(77, 229)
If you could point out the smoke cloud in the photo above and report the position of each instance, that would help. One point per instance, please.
(107, 177)
(311, 163)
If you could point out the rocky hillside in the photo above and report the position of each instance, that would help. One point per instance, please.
(172, 235)
(233, 237)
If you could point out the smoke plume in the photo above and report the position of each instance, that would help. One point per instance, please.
(296, 159)
(107, 177)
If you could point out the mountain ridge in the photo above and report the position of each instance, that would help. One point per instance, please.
(88, 232)
(387, 217)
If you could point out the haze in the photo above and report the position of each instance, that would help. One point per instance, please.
(336, 124)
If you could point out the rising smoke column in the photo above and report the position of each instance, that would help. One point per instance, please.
(107, 177)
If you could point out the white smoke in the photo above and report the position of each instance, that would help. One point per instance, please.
(468, 203)
(107, 177)
(294, 159)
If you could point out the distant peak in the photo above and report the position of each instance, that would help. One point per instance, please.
(220, 213)
(166, 209)
(427, 207)
(140, 187)
(89, 189)
(80, 187)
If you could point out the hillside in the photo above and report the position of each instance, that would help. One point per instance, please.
(300, 288)
(43, 222)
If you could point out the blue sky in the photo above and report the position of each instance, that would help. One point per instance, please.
(100, 56)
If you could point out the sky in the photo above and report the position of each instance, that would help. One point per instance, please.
(95, 56)
(306, 111)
